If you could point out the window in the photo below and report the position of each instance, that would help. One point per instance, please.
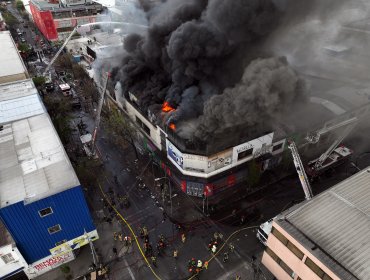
(282, 264)
(295, 250)
(245, 154)
(60, 242)
(45, 212)
(143, 125)
(277, 147)
(279, 236)
(314, 267)
(54, 229)
(287, 243)
(7, 258)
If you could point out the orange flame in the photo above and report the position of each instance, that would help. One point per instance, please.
(172, 126)
(166, 107)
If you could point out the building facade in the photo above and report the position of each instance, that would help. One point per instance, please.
(56, 20)
(42, 204)
(325, 237)
(213, 172)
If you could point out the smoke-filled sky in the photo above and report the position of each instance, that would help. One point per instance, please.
(219, 62)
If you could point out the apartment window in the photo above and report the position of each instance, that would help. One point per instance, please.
(287, 243)
(277, 147)
(60, 242)
(54, 229)
(45, 212)
(143, 126)
(295, 250)
(319, 272)
(282, 264)
(245, 154)
(7, 258)
(279, 236)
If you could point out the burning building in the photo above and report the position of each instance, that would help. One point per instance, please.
(216, 108)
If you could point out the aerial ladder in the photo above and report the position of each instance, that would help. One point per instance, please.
(88, 140)
(300, 170)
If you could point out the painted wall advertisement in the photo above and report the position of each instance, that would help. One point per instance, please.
(47, 264)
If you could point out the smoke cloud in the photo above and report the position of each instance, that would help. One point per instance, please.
(219, 63)
(268, 88)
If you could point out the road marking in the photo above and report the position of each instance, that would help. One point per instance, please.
(129, 270)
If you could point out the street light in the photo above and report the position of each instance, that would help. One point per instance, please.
(169, 183)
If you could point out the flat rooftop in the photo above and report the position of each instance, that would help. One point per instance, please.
(58, 7)
(11, 63)
(335, 226)
(33, 162)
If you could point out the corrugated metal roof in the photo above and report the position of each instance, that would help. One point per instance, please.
(10, 62)
(33, 162)
(338, 221)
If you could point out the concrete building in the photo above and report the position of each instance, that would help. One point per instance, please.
(12, 67)
(217, 169)
(42, 204)
(326, 237)
(57, 19)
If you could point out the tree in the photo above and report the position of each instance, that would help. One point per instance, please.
(59, 113)
(254, 173)
(39, 81)
(19, 5)
(79, 72)
(64, 61)
(9, 19)
(24, 47)
(120, 129)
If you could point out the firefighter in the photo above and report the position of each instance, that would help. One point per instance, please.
(141, 232)
(231, 248)
(205, 265)
(120, 237)
(154, 261)
(226, 257)
(145, 231)
(115, 235)
(175, 253)
(183, 238)
(214, 249)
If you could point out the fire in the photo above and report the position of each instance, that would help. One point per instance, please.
(172, 126)
(166, 107)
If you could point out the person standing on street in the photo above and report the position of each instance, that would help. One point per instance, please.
(154, 261)
(175, 253)
(183, 238)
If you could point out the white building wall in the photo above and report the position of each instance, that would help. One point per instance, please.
(11, 260)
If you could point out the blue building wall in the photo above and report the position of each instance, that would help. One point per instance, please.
(30, 231)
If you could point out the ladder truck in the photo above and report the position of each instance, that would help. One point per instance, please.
(334, 155)
(265, 229)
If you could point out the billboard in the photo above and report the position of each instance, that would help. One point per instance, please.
(74, 243)
(174, 154)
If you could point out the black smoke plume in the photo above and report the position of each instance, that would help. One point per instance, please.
(198, 55)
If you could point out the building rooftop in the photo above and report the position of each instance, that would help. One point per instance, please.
(33, 162)
(11, 63)
(60, 7)
(335, 225)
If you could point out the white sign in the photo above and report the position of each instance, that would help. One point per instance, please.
(255, 144)
(74, 243)
(47, 264)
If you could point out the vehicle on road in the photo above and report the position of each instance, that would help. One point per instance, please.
(65, 89)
